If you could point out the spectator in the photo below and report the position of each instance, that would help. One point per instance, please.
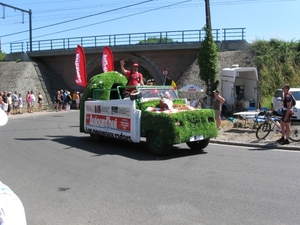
(28, 100)
(5, 105)
(77, 100)
(217, 107)
(40, 101)
(15, 102)
(58, 101)
(32, 102)
(287, 112)
(9, 102)
(20, 104)
(68, 101)
(11, 208)
(1, 101)
(74, 99)
(64, 95)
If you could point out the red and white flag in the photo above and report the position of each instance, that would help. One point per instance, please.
(80, 66)
(107, 60)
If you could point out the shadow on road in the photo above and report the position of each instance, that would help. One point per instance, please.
(137, 151)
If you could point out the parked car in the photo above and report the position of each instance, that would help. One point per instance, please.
(277, 102)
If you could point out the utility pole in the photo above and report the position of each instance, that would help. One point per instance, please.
(30, 20)
(207, 13)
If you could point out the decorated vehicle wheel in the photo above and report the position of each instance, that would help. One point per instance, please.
(156, 145)
(96, 137)
(198, 145)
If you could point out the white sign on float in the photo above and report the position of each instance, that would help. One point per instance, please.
(3, 118)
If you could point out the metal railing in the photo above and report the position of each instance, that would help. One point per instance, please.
(147, 38)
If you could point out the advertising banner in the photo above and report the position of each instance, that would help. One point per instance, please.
(107, 60)
(80, 66)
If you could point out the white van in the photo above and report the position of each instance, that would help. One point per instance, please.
(277, 102)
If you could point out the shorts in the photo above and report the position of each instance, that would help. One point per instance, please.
(289, 117)
(15, 105)
(217, 114)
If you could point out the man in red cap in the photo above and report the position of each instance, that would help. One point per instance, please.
(134, 77)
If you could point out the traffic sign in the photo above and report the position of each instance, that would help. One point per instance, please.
(165, 72)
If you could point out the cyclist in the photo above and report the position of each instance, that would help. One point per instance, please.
(287, 112)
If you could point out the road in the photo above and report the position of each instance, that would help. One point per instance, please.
(63, 178)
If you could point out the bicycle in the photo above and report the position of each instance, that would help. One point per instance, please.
(271, 123)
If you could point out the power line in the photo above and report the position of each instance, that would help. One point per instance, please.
(170, 6)
(80, 18)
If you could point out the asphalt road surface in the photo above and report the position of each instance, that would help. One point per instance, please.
(63, 178)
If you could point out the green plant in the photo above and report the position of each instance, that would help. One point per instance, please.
(2, 55)
(278, 62)
(19, 60)
(155, 40)
(208, 62)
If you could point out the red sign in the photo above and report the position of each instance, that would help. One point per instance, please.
(112, 122)
(107, 60)
(80, 66)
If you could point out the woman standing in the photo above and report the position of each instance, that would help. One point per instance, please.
(40, 102)
(20, 103)
(217, 107)
(58, 101)
(28, 100)
(77, 100)
(68, 101)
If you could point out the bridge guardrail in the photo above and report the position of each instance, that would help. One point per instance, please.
(165, 37)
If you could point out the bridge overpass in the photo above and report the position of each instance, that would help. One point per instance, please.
(173, 50)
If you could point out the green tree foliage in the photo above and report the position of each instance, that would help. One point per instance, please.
(2, 56)
(278, 62)
(208, 63)
(155, 40)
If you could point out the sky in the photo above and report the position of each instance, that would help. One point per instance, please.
(52, 19)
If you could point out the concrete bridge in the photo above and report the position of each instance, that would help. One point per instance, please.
(176, 56)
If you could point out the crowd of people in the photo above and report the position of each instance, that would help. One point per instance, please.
(13, 103)
(64, 100)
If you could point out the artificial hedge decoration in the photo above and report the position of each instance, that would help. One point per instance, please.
(180, 126)
(100, 81)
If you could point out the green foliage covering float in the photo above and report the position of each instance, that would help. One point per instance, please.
(178, 127)
(101, 81)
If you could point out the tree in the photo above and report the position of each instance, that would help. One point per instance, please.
(208, 62)
(155, 40)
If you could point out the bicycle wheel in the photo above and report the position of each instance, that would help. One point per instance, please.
(295, 131)
(263, 130)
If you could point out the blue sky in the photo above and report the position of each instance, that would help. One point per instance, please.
(263, 19)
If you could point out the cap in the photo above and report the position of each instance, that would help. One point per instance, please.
(135, 65)
(216, 91)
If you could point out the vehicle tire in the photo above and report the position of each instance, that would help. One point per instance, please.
(263, 130)
(295, 131)
(96, 137)
(198, 145)
(156, 145)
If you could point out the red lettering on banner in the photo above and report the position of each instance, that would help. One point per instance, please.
(112, 122)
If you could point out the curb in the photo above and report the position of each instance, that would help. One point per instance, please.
(267, 146)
